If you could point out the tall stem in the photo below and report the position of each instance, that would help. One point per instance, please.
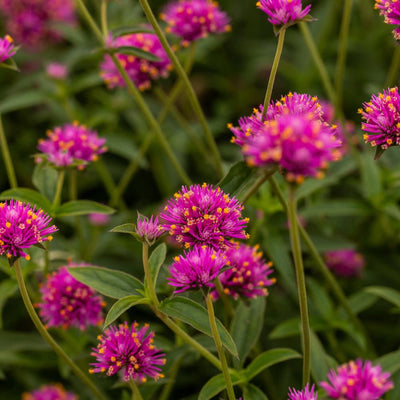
(274, 69)
(220, 349)
(136, 395)
(188, 86)
(147, 275)
(301, 283)
(394, 68)
(266, 173)
(46, 336)
(7, 158)
(104, 26)
(59, 187)
(93, 26)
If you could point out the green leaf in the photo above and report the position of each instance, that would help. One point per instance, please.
(7, 289)
(111, 283)
(120, 306)
(267, 359)
(82, 207)
(337, 208)
(246, 327)
(389, 362)
(360, 301)
(156, 261)
(45, 180)
(125, 228)
(386, 293)
(22, 100)
(127, 30)
(320, 361)
(216, 385)
(251, 392)
(195, 315)
(135, 51)
(319, 299)
(370, 176)
(238, 178)
(22, 341)
(30, 196)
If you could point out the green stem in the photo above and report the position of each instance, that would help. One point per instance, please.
(73, 195)
(172, 374)
(394, 68)
(136, 395)
(188, 86)
(86, 15)
(330, 91)
(104, 26)
(266, 173)
(301, 283)
(147, 275)
(7, 158)
(229, 310)
(220, 349)
(274, 69)
(59, 187)
(341, 59)
(48, 338)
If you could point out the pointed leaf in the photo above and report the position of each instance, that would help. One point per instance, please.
(252, 392)
(45, 180)
(195, 315)
(127, 30)
(111, 283)
(82, 207)
(216, 385)
(386, 293)
(125, 228)
(320, 361)
(389, 362)
(156, 261)
(30, 196)
(135, 51)
(22, 100)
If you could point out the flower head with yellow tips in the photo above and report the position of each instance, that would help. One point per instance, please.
(390, 9)
(22, 226)
(129, 351)
(50, 392)
(7, 48)
(306, 394)
(283, 12)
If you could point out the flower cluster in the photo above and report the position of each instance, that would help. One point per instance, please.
(140, 70)
(50, 392)
(196, 269)
(381, 117)
(7, 49)
(32, 22)
(248, 273)
(345, 262)
(149, 230)
(71, 144)
(194, 19)
(21, 227)
(357, 380)
(282, 12)
(306, 394)
(68, 303)
(128, 350)
(390, 9)
(202, 215)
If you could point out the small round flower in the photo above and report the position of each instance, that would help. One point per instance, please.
(7, 49)
(390, 9)
(140, 70)
(202, 215)
(21, 227)
(66, 302)
(129, 351)
(57, 71)
(357, 381)
(194, 19)
(248, 273)
(345, 262)
(381, 117)
(196, 269)
(306, 394)
(149, 230)
(71, 144)
(98, 219)
(282, 12)
(50, 392)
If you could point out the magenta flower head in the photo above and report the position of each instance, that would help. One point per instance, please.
(130, 351)
(57, 71)
(22, 226)
(283, 12)
(50, 392)
(306, 394)
(67, 303)
(345, 262)
(248, 273)
(194, 19)
(381, 117)
(357, 381)
(32, 22)
(149, 230)
(98, 219)
(140, 70)
(196, 269)
(390, 9)
(202, 215)
(7, 48)
(71, 144)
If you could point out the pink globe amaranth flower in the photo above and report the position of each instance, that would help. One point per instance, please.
(381, 117)
(306, 394)
(140, 70)
(196, 269)
(149, 230)
(50, 392)
(130, 351)
(202, 215)
(357, 381)
(98, 219)
(390, 9)
(67, 303)
(247, 275)
(32, 22)
(57, 70)
(283, 12)
(71, 144)
(194, 19)
(22, 226)
(345, 262)
(7, 48)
